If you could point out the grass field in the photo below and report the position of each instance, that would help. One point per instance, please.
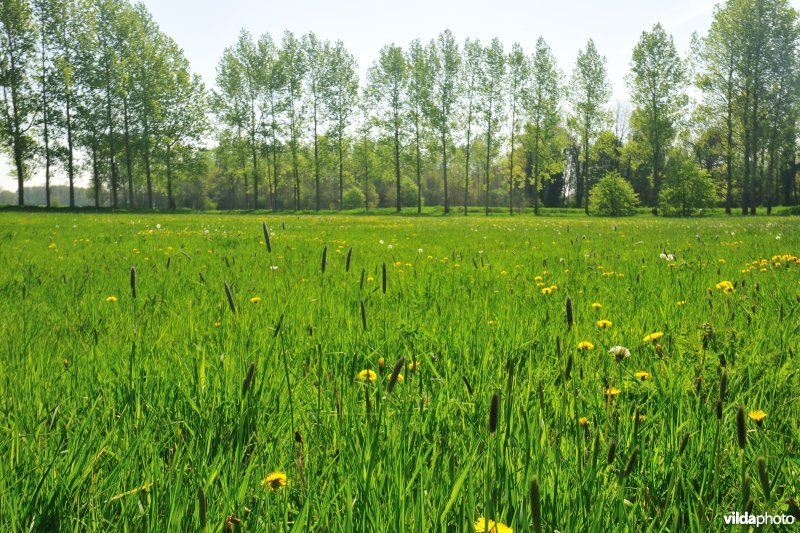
(169, 410)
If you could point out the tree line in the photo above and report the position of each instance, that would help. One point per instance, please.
(93, 87)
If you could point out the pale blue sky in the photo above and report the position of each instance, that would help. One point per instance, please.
(203, 28)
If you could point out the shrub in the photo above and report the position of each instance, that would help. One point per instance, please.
(353, 198)
(688, 189)
(613, 196)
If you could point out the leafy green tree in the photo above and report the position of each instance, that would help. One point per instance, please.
(293, 66)
(518, 80)
(688, 189)
(470, 83)
(388, 87)
(419, 95)
(589, 93)
(612, 196)
(341, 102)
(19, 103)
(445, 64)
(656, 82)
(541, 105)
(490, 94)
(318, 81)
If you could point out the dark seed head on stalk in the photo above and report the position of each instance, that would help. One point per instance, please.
(398, 366)
(278, 326)
(202, 504)
(741, 432)
(298, 438)
(384, 278)
(324, 258)
(248, 380)
(133, 281)
(723, 385)
(763, 476)
(631, 462)
(612, 452)
(536, 507)
(347, 263)
(266, 236)
(202, 278)
(719, 410)
(748, 507)
(231, 301)
(684, 442)
(466, 384)
(569, 313)
(494, 413)
(722, 362)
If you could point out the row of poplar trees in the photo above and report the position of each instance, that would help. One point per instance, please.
(471, 123)
(93, 87)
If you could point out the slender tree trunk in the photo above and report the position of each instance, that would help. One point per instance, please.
(511, 171)
(255, 168)
(585, 170)
(147, 168)
(128, 154)
(418, 164)
(536, 171)
(754, 144)
(111, 146)
(466, 166)
(729, 160)
(70, 150)
(316, 155)
(46, 126)
(366, 176)
(95, 175)
(397, 159)
(341, 164)
(488, 158)
(170, 199)
(444, 171)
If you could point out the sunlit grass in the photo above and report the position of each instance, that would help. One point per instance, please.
(360, 399)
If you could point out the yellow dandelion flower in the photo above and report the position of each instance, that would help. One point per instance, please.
(583, 421)
(399, 377)
(585, 345)
(217, 324)
(413, 366)
(367, 375)
(483, 525)
(725, 286)
(643, 375)
(275, 481)
(612, 391)
(52, 246)
(503, 273)
(370, 279)
(602, 324)
(652, 337)
(757, 416)
(255, 299)
(492, 322)
(680, 302)
(547, 290)
(112, 299)
(597, 305)
(537, 278)
(641, 417)
(381, 363)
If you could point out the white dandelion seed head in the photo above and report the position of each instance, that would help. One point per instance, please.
(158, 226)
(619, 352)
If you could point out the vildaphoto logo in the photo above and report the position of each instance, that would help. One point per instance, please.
(747, 519)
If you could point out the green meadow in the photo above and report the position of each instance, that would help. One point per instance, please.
(395, 373)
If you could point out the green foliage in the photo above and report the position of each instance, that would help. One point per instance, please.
(353, 199)
(688, 189)
(613, 196)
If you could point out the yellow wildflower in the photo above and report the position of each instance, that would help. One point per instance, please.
(274, 481)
